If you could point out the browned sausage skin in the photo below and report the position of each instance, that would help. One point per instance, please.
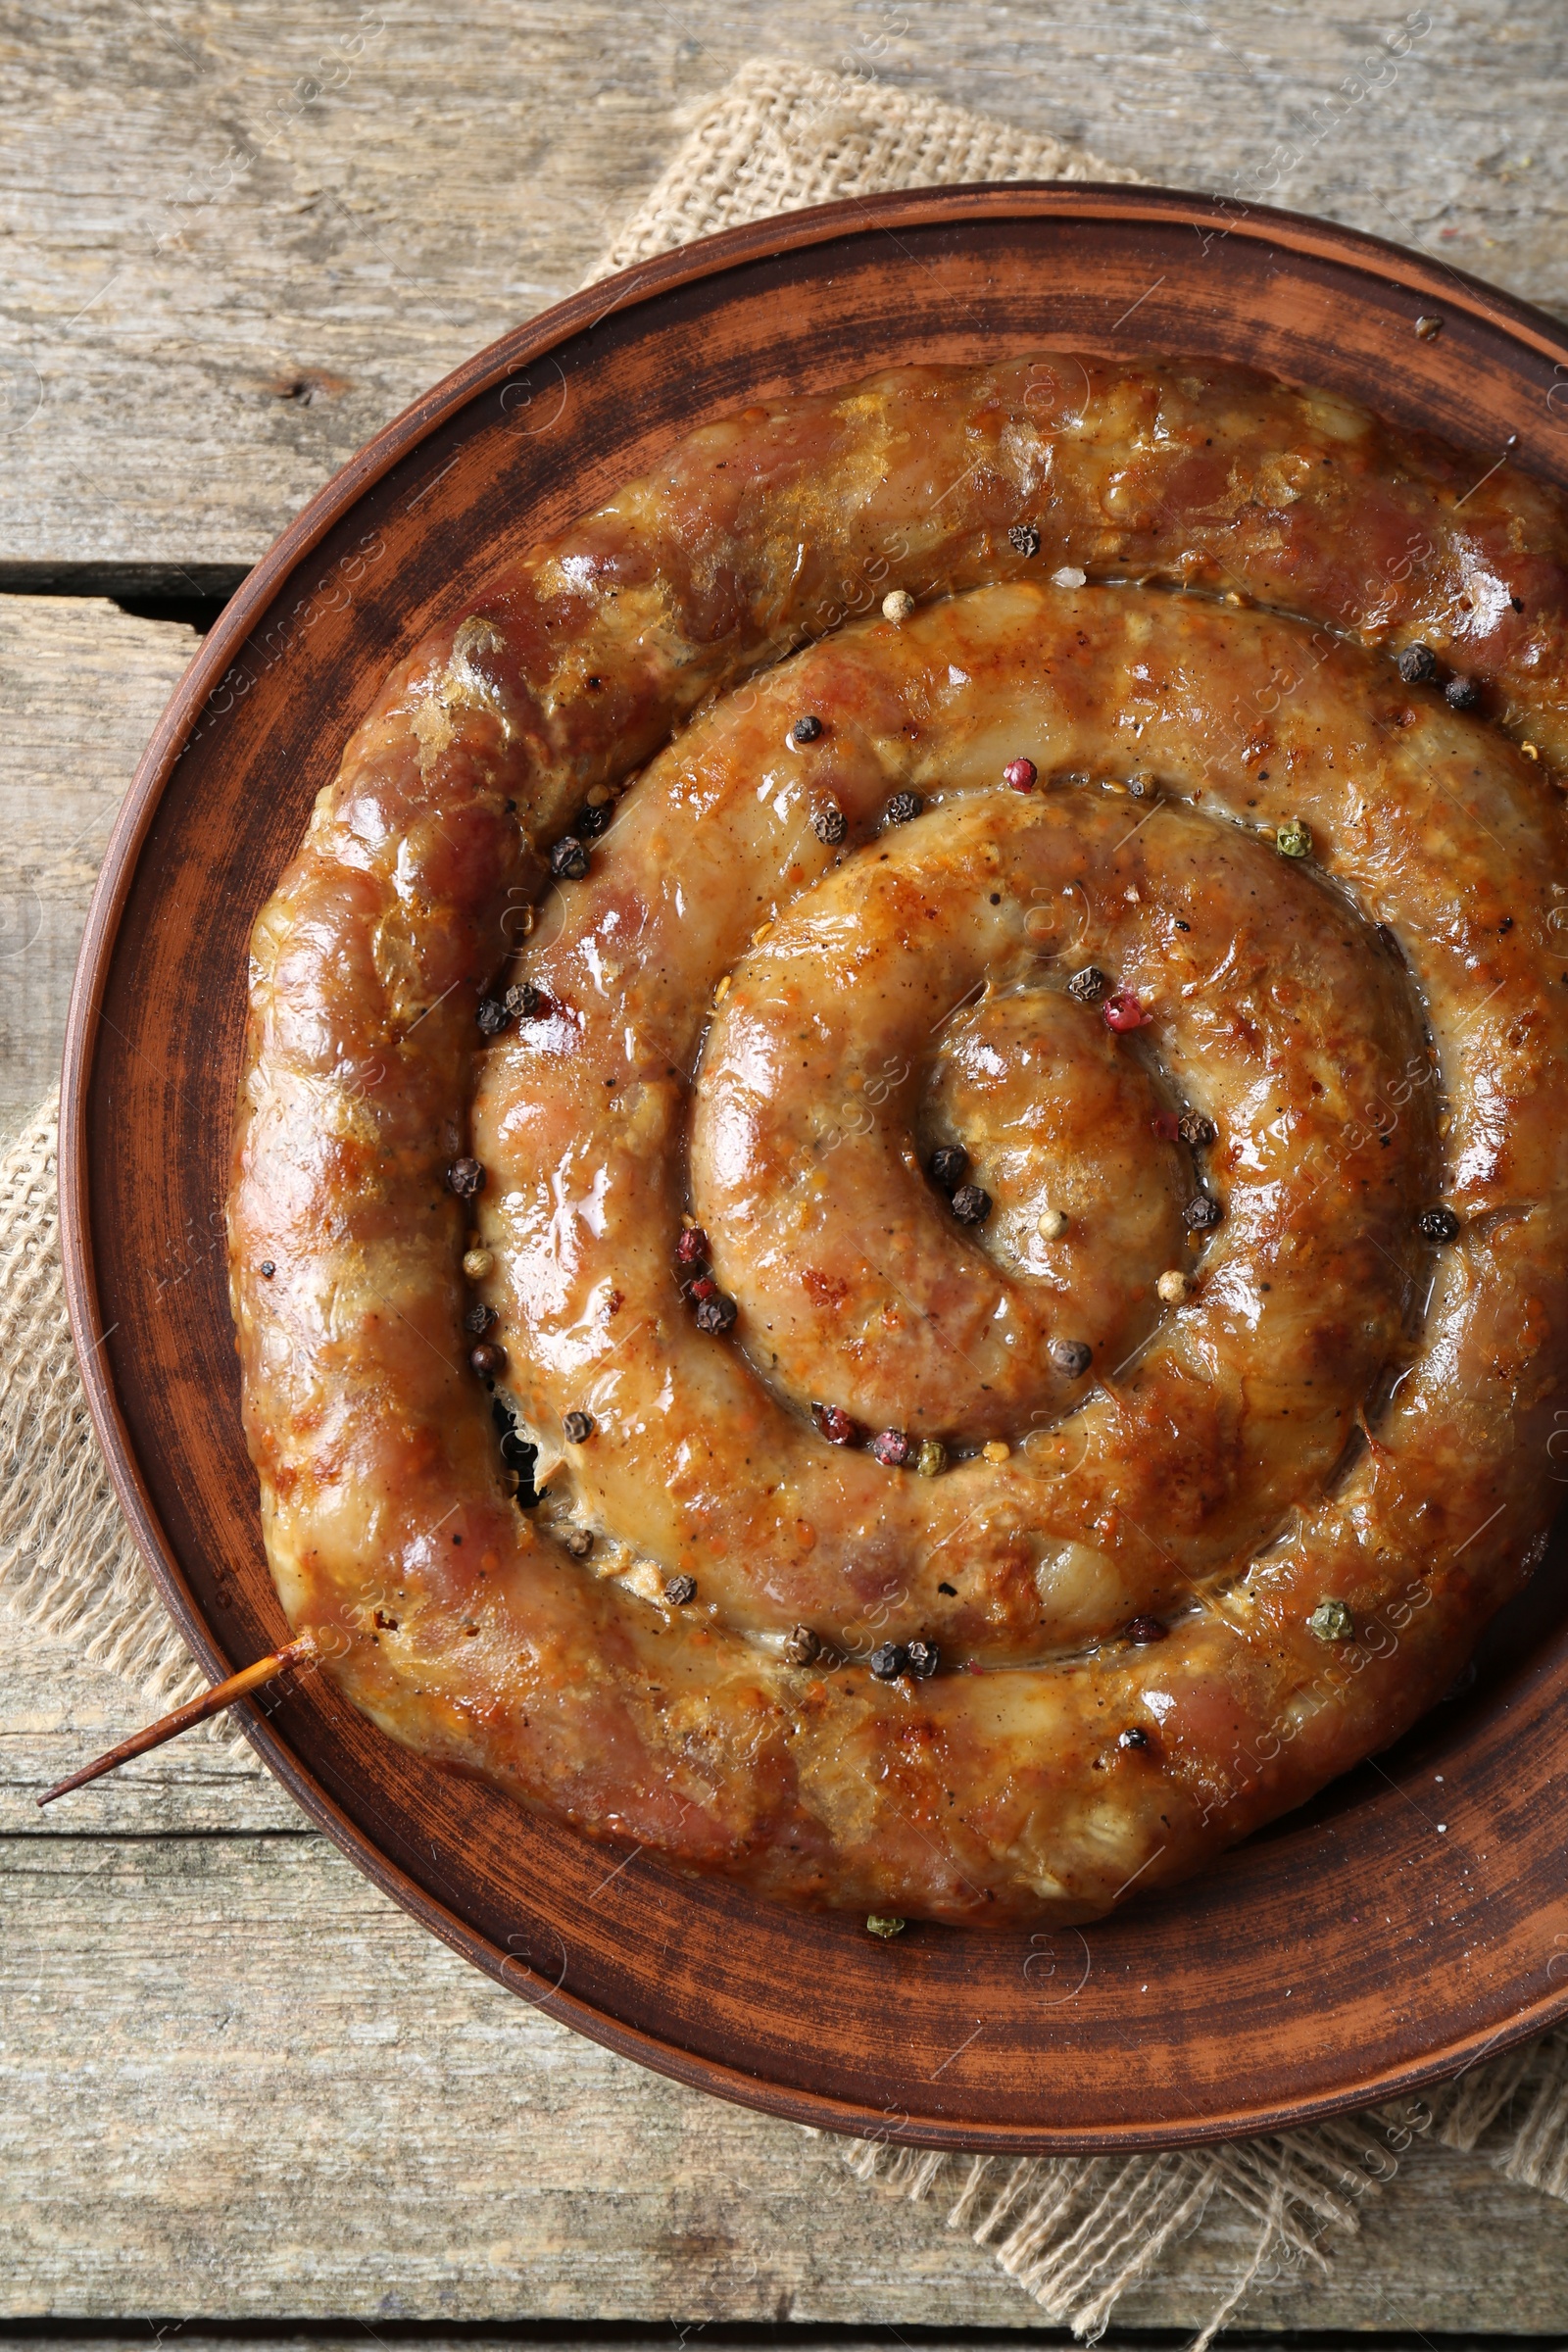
(1339, 1410)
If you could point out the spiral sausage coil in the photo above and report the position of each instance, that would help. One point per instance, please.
(899, 1208)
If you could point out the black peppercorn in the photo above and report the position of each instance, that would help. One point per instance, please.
(830, 826)
(903, 808)
(479, 1318)
(1418, 666)
(268, 1269)
(1438, 1225)
(1134, 1735)
(577, 1428)
(1195, 1129)
(569, 859)
(1088, 985)
(524, 1002)
(807, 729)
(716, 1311)
(591, 822)
(464, 1177)
(971, 1205)
(680, 1589)
(890, 1661)
(1024, 539)
(579, 1542)
(924, 1659)
(947, 1164)
(1146, 1629)
(1462, 693)
(802, 1648)
(492, 1016)
(1071, 1357)
(487, 1359)
(1200, 1212)
(894, 1448)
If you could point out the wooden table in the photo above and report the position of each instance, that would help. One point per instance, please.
(240, 2087)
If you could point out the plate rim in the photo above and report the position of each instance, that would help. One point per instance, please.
(518, 348)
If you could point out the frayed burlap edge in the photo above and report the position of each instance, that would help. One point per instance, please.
(784, 136)
(1073, 2232)
(1076, 2232)
(70, 1569)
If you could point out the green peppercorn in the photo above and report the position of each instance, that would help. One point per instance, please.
(932, 1458)
(887, 1929)
(1293, 840)
(1331, 1621)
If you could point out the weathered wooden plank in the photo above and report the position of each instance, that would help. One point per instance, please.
(236, 2081)
(81, 684)
(241, 237)
(205, 2335)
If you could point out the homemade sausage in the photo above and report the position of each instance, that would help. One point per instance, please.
(1166, 1441)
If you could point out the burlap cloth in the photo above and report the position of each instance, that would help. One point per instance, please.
(1073, 2232)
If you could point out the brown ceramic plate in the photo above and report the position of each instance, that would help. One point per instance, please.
(1411, 1920)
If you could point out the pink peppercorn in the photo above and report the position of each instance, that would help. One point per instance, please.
(1021, 775)
(1123, 1012)
(834, 1424)
(692, 1248)
(893, 1448)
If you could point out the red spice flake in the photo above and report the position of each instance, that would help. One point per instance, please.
(1021, 775)
(1167, 1126)
(1123, 1012)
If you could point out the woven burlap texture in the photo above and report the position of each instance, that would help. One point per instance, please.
(785, 136)
(1074, 2232)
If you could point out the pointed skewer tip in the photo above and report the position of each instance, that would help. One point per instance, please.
(303, 1648)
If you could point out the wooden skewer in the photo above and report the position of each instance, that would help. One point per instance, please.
(196, 1710)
